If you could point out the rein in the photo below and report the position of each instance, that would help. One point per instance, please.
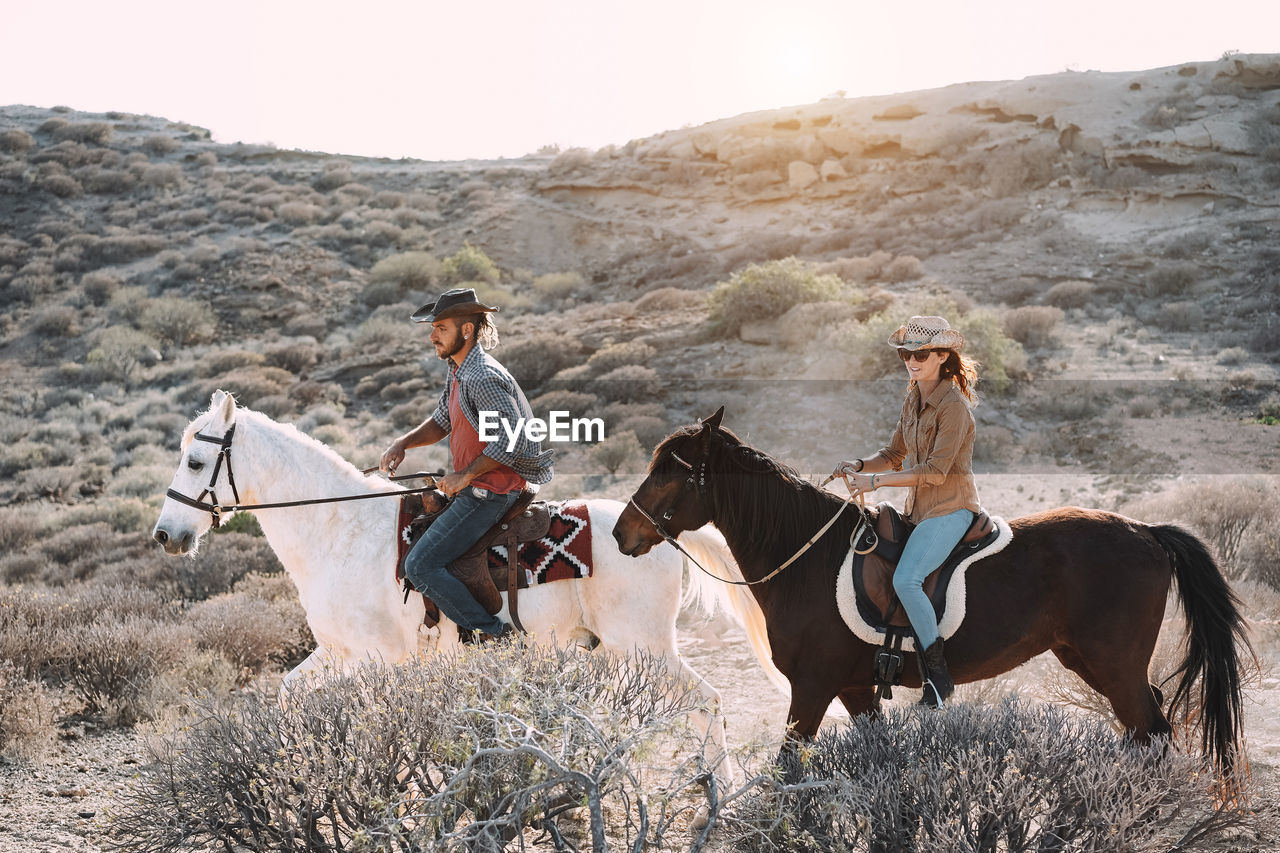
(701, 484)
(215, 508)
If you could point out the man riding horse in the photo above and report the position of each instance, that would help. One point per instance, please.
(487, 478)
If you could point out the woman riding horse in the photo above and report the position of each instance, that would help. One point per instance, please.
(931, 452)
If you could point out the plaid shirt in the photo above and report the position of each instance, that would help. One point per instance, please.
(486, 386)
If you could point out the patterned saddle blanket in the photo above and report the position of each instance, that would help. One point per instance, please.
(551, 541)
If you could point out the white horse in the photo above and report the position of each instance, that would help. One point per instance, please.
(341, 557)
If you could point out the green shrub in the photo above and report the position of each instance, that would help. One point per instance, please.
(468, 264)
(767, 290)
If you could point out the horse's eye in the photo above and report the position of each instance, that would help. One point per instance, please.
(194, 464)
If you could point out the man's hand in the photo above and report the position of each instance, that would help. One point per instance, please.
(453, 483)
(392, 457)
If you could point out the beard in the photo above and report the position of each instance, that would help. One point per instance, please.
(449, 350)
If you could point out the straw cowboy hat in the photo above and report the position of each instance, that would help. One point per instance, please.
(459, 302)
(926, 333)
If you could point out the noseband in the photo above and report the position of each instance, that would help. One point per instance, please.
(214, 507)
(701, 484)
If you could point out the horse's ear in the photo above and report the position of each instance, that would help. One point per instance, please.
(712, 423)
(224, 407)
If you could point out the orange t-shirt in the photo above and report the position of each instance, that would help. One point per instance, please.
(465, 445)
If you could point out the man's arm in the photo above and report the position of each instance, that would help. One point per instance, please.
(427, 432)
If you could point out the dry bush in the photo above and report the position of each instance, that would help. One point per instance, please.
(93, 132)
(107, 181)
(225, 558)
(1236, 515)
(521, 735)
(558, 285)
(577, 403)
(904, 268)
(16, 141)
(618, 355)
(407, 271)
(160, 145)
(294, 356)
(619, 453)
(248, 384)
(177, 322)
(63, 186)
(649, 430)
(1232, 356)
(977, 778)
(803, 323)
(250, 632)
(217, 363)
(862, 269)
(665, 300)
(336, 174)
(631, 383)
(119, 354)
(1171, 279)
(162, 176)
(1070, 294)
(57, 321)
(1179, 316)
(26, 715)
(1032, 325)
(535, 358)
(99, 286)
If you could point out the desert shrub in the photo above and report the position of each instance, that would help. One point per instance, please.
(249, 632)
(217, 363)
(1070, 294)
(377, 332)
(800, 325)
(630, 383)
(26, 715)
(159, 144)
(99, 286)
(520, 734)
(618, 355)
(468, 264)
(63, 186)
(666, 300)
(1171, 279)
(16, 141)
(58, 321)
(1179, 316)
(1233, 356)
(1234, 514)
(535, 358)
(178, 322)
(904, 268)
(107, 181)
(335, 174)
(619, 453)
(558, 285)
(408, 415)
(407, 271)
(972, 777)
(162, 175)
(576, 403)
(94, 132)
(415, 387)
(648, 430)
(293, 356)
(248, 384)
(112, 666)
(299, 212)
(767, 290)
(1032, 325)
(27, 454)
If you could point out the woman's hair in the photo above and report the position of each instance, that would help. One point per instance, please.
(963, 373)
(486, 329)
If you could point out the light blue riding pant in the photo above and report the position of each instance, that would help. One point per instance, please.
(928, 546)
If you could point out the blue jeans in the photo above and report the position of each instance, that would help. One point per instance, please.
(450, 536)
(929, 545)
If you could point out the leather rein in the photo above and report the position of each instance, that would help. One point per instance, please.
(701, 483)
(216, 508)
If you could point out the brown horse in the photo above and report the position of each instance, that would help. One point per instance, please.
(1088, 585)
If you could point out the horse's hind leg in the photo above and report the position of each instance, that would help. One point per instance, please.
(1123, 681)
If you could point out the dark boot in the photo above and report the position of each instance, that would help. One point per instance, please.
(938, 685)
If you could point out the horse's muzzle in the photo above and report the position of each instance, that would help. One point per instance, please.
(173, 545)
(636, 549)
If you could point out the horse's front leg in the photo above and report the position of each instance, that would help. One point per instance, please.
(317, 662)
(810, 698)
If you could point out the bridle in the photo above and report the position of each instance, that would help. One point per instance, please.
(698, 478)
(216, 509)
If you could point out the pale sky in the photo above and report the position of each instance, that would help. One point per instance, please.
(505, 77)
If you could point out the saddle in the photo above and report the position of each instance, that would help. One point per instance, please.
(885, 538)
(527, 520)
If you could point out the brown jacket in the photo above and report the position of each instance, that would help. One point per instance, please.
(935, 440)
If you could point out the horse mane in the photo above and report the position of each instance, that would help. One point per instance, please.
(764, 508)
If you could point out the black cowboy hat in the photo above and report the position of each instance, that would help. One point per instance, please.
(459, 302)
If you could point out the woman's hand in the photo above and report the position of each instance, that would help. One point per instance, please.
(844, 469)
(859, 483)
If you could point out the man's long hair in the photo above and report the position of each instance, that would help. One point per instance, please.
(486, 329)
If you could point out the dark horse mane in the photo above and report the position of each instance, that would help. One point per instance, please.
(765, 509)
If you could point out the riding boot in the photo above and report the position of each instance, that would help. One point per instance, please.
(938, 685)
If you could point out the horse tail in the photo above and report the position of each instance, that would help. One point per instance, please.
(708, 547)
(1215, 638)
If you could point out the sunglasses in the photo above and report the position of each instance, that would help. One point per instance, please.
(920, 355)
